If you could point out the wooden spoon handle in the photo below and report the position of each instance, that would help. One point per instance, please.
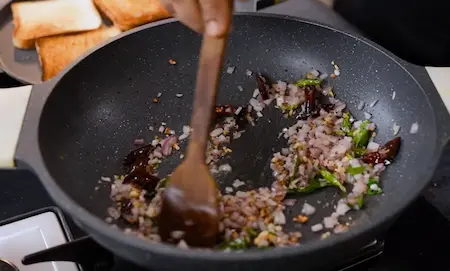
(209, 67)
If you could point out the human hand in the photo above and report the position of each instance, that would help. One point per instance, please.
(211, 17)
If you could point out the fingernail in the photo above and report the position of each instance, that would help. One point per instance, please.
(212, 28)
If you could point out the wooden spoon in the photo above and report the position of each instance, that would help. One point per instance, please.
(189, 202)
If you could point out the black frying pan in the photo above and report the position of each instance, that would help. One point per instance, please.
(79, 126)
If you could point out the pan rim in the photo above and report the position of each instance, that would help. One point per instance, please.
(93, 222)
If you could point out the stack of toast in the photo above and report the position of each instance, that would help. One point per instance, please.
(63, 30)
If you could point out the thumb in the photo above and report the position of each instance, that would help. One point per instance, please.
(216, 16)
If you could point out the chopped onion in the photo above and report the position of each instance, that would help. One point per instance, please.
(241, 194)
(186, 129)
(167, 145)
(177, 234)
(279, 217)
(340, 229)
(361, 105)
(225, 168)
(216, 132)
(372, 104)
(238, 110)
(414, 128)
(259, 114)
(182, 244)
(255, 93)
(256, 104)
(308, 209)
(323, 76)
(240, 88)
(393, 95)
(367, 115)
(237, 135)
(317, 227)
(228, 189)
(105, 179)
(372, 146)
(159, 95)
(330, 221)
(161, 129)
(289, 202)
(179, 95)
(339, 107)
(222, 138)
(395, 128)
(314, 73)
(342, 208)
(378, 167)
(354, 163)
(112, 212)
(231, 69)
(337, 72)
(237, 183)
(139, 141)
(248, 73)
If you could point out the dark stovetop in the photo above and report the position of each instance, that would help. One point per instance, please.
(420, 238)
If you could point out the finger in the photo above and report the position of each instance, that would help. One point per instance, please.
(168, 6)
(189, 13)
(216, 16)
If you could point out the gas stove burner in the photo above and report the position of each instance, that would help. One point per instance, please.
(6, 265)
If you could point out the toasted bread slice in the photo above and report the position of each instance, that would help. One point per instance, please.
(56, 52)
(23, 44)
(126, 14)
(33, 20)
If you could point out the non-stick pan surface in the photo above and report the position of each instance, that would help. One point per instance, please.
(100, 105)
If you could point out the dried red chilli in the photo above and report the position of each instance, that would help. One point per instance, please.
(140, 178)
(388, 152)
(262, 87)
(310, 104)
(139, 173)
(139, 156)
